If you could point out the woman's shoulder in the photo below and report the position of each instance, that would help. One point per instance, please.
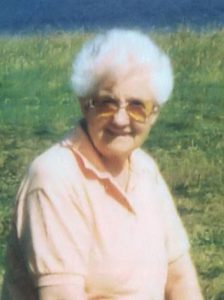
(144, 161)
(55, 162)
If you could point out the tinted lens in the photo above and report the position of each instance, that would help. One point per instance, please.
(106, 107)
(139, 111)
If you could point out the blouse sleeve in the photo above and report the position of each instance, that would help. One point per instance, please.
(53, 227)
(177, 242)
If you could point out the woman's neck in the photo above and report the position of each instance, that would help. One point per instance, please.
(119, 170)
(115, 165)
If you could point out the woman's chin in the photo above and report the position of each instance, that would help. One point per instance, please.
(118, 148)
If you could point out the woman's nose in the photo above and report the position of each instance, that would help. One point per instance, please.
(121, 117)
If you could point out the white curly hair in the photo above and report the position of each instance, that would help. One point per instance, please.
(115, 49)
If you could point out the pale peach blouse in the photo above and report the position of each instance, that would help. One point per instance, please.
(74, 225)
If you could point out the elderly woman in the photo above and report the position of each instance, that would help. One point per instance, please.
(94, 219)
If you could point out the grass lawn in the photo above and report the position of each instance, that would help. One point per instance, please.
(37, 107)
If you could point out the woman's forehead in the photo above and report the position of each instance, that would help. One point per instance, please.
(128, 83)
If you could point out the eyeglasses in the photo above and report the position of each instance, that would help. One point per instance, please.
(137, 110)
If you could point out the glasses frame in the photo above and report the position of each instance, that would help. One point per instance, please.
(92, 104)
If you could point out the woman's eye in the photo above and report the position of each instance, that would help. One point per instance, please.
(108, 101)
(136, 103)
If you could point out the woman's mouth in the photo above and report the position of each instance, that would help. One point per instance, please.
(113, 132)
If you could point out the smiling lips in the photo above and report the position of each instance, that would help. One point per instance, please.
(117, 132)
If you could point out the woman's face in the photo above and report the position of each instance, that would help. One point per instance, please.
(117, 135)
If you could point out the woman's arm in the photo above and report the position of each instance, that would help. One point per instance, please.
(61, 292)
(54, 230)
(182, 280)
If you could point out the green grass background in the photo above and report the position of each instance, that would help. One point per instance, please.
(37, 107)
